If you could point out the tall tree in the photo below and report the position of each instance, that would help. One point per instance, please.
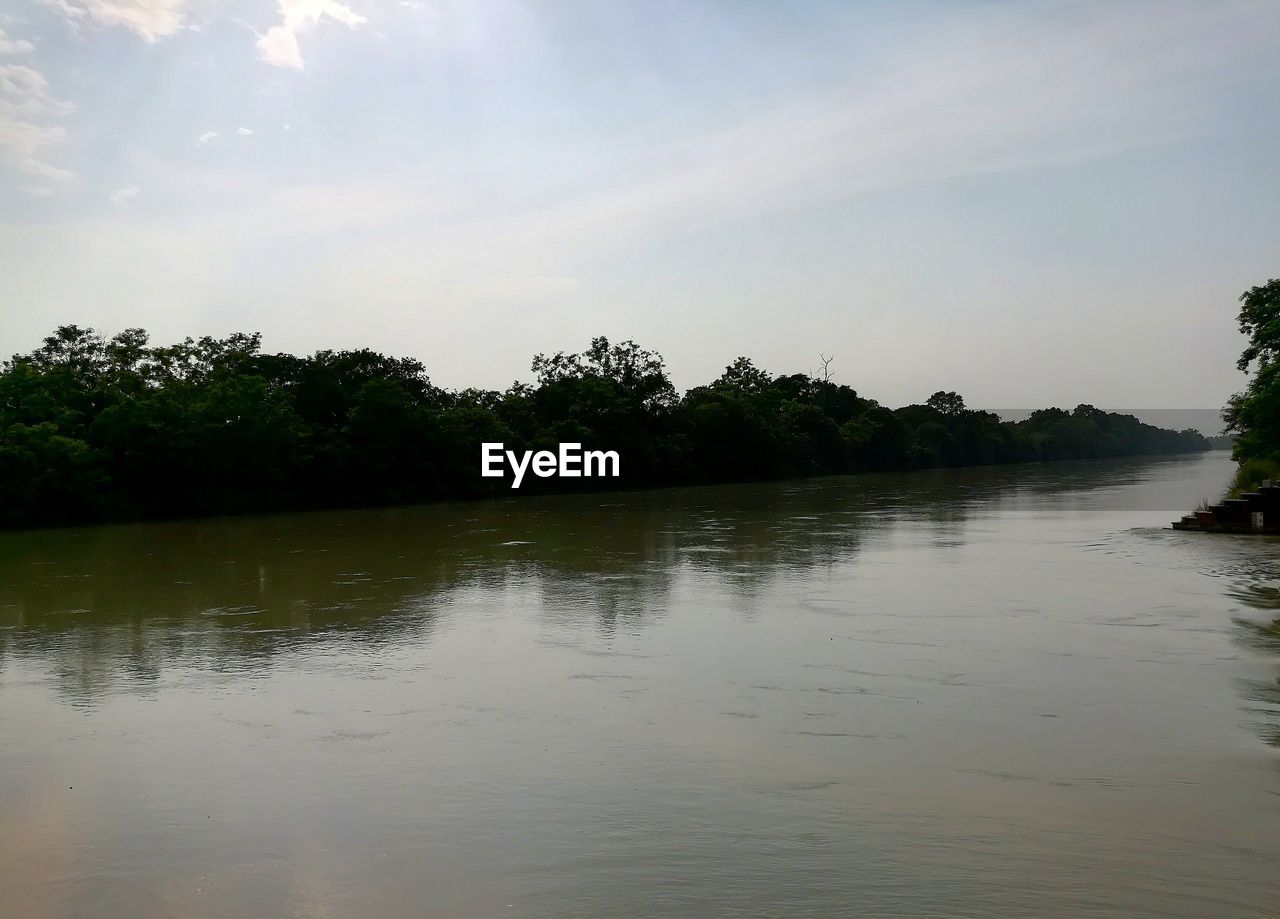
(1254, 414)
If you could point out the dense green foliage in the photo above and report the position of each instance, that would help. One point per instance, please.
(1255, 413)
(95, 428)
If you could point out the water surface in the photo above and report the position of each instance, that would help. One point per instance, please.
(991, 692)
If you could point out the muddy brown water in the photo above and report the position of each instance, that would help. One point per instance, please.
(990, 692)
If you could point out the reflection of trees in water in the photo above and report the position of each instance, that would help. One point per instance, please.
(117, 604)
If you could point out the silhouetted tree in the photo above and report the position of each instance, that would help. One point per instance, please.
(1254, 415)
(948, 403)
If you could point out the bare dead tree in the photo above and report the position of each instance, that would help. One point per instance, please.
(826, 366)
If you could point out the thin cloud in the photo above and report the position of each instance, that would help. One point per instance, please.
(206, 137)
(150, 19)
(121, 195)
(1013, 93)
(279, 46)
(1021, 95)
(38, 167)
(244, 132)
(10, 45)
(27, 112)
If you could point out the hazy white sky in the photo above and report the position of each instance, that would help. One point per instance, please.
(1030, 203)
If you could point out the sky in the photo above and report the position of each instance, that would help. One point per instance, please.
(1030, 203)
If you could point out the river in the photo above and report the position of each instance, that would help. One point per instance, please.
(998, 692)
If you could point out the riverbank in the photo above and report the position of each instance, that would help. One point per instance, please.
(619, 487)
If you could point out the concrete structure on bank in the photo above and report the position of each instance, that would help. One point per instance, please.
(1252, 512)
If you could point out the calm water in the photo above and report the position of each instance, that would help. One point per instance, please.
(984, 693)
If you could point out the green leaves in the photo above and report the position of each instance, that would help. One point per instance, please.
(1255, 413)
(1260, 320)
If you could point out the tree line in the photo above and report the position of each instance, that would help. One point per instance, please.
(97, 428)
(1254, 414)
